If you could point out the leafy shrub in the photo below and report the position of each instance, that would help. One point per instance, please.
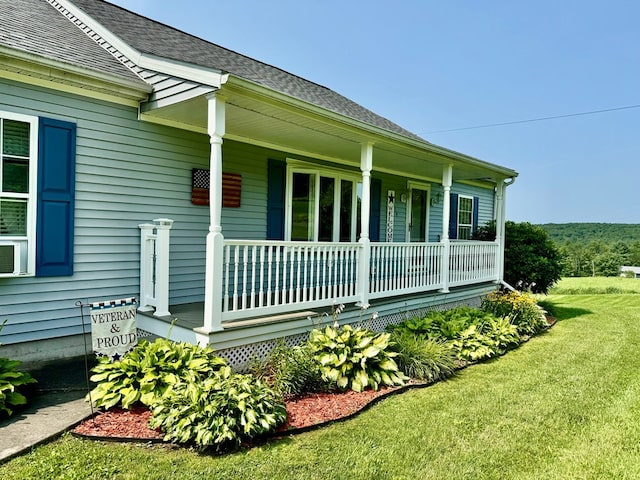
(11, 380)
(290, 370)
(444, 325)
(422, 358)
(146, 373)
(487, 339)
(531, 259)
(355, 358)
(472, 333)
(220, 410)
(520, 308)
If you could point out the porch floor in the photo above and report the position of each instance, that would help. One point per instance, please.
(190, 315)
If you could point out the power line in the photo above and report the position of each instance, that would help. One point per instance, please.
(530, 120)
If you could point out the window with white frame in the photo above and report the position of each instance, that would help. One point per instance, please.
(322, 205)
(465, 217)
(18, 164)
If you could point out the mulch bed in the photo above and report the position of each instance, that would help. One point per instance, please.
(303, 413)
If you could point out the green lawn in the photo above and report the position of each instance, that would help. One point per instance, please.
(596, 285)
(565, 405)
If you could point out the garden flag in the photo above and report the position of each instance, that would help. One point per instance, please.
(113, 327)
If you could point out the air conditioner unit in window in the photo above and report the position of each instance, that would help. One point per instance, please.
(9, 258)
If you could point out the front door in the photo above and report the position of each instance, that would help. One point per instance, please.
(417, 214)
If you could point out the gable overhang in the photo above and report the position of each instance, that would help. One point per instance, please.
(32, 69)
(143, 60)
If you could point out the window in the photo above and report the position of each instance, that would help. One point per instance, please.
(37, 175)
(465, 217)
(322, 206)
(18, 180)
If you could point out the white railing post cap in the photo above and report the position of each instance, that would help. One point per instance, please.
(144, 226)
(163, 222)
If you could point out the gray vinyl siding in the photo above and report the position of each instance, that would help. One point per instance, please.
(127, 173)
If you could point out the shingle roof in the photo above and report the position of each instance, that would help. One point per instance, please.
(151, 37)
(36, 27)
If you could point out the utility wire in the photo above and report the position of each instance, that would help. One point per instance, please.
(530, 120)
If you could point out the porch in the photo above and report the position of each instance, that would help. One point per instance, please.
(314, 212)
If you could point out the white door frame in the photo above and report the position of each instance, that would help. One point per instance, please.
(411, 185)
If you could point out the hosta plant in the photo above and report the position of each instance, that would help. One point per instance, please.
(11, 379)
(355, 358)
(485, 340)
(146, 373)
(221, 410)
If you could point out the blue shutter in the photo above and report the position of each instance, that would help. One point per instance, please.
(276, 181)
(56, 196)
(453, 216)
(474, 228)
(374, 217)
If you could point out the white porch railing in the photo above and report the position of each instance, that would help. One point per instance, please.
(272, 277)
(269, 277)
(472, 262)
(400, 268)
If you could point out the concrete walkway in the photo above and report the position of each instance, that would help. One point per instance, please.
(56, 404)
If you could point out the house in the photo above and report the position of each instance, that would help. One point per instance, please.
(632, 272)
(238, 202)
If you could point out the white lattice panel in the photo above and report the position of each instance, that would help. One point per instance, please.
(240, 357)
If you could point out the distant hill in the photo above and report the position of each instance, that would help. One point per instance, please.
(586, 232)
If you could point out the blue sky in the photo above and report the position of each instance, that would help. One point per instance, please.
(440, 65)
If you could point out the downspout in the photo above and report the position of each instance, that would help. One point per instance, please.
(500, 226)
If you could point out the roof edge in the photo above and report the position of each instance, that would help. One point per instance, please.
(30, 64)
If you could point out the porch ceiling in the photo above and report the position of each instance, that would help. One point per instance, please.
(322, 135)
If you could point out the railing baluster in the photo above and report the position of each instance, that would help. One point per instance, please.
(292, 258)
(298, 269)
(245, 263)
(253, 277)
(276, 286)
(261, 289)
(236, 259)
(225, 303)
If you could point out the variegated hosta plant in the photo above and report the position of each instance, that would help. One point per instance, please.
(148, 371)
(355, 358)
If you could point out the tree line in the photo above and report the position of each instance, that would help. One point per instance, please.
(595, 249)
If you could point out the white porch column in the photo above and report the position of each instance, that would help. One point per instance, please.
(447, 180)
(215, 239)
(364, 265)
(500, 214)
